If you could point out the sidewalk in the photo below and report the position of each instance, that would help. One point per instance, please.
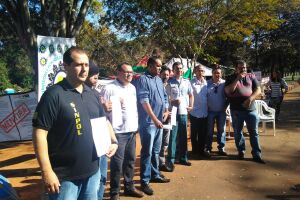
(217, 178)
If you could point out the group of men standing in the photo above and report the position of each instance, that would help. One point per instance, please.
(63, 137)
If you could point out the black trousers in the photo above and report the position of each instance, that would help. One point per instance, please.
(198, 134)
(123, 162)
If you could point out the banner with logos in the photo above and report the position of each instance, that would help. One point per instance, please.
(50, 60)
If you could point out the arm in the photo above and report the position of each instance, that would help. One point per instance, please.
(114, 142)
(285, 85)
(166, 100)
(149, 111)
(105, 99)
(229, 89)
(39, 139)
(191, 102)
(251, 98)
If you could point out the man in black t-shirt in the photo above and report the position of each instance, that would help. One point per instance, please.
(62, 134)
(241, 89)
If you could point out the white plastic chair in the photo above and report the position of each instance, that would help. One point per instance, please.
(228, 120)
(265, 114)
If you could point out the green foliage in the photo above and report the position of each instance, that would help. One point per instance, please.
(4, 79)
(185, 26)
(18, 65)
(107, 50)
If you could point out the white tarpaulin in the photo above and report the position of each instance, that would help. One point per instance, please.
(187, 63)
(50, 60)
(16, 112)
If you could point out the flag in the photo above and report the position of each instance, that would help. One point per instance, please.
(141, 66)
(188, 74)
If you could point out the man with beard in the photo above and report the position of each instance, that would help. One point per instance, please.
(152, 110)
(241, 89)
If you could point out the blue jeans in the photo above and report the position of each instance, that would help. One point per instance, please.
(122, 163)
(151, 142)
(164, 147)
(220, 118)
(103, 176)
(251, 119)
(178, 136)
(82, 189)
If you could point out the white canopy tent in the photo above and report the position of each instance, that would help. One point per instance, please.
(187, 63)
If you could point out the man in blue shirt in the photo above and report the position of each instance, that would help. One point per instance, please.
(216, 102)
(152, 109)
(181, 96)
(198, 116)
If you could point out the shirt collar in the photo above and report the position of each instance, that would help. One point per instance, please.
(147, 73)
(202, 81)
(67, 86)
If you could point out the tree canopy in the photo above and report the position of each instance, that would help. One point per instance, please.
(265, 33)
(23, 20)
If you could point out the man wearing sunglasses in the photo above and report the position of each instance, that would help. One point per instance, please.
(216, 102)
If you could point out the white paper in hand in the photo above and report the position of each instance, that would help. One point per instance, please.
(167, 126)
(173, 116)
(101, 135)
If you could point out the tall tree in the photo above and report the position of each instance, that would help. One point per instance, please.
(185, 26)
(25, 19)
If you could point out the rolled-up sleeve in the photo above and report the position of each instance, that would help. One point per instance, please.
(142, 91)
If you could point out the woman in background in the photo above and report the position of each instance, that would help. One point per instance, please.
(277, 84)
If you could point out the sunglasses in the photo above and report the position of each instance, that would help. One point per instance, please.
(216, 89)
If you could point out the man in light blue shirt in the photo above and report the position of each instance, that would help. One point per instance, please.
(216, 102)
(180, 93)
(198, 116)
(152, 110)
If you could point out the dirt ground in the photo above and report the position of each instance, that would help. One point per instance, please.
(216, 178)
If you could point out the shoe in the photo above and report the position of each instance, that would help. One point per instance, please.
(171, 166)
(185, 162)
(160, 180)
(115, 197)
(259, 160)
(222, 152)
(206, 154)
(147, 189)
(165, 168)
(241, 155)
(133, 193)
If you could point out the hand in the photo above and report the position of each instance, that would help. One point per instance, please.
(247, 102)
(107, 106)
(241, 75)
(158, 124)
(165, 116)
(112, 150)
(175, 102)
(189, 108)
(51, 181)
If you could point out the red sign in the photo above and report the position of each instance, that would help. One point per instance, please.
(14, 118)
